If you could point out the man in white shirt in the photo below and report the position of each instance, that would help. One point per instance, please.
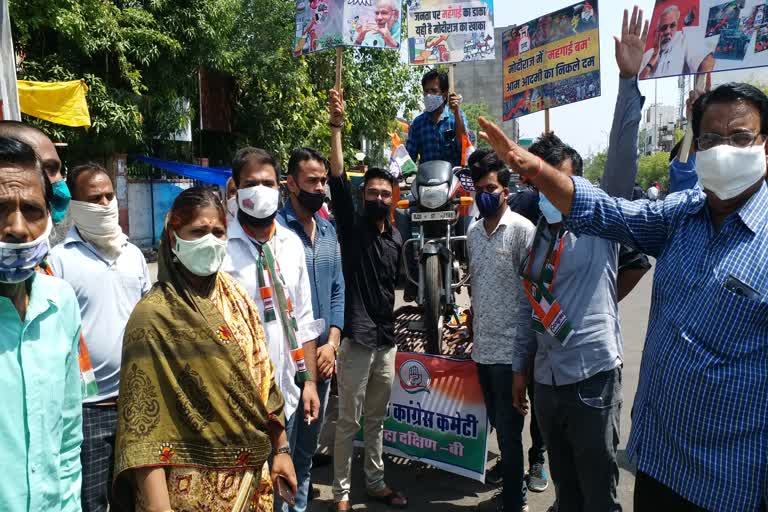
(257, 176)
(672, 54)
(501, 314)
(109, 276)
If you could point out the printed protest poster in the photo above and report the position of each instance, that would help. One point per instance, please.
(322, 24)
(697, 36)
(436, 414)
(442, 32)
(552, 60)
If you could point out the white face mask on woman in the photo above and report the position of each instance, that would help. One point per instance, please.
(204, 256)
(728, 171)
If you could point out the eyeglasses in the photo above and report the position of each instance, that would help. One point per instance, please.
(739, 140)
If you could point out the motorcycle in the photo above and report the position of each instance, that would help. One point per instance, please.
(435, 210)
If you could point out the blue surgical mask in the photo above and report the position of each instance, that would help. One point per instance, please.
(549, 211)
(60, 201)
(18, 261)
(488, 203)
(433, 102)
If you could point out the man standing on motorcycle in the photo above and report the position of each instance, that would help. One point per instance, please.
(365, 369)
(501, 315)
(435, 134)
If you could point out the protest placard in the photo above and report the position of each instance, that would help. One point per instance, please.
(323, 24)
(436, 414)
(697, 36)
(443, 32)
(552, 60)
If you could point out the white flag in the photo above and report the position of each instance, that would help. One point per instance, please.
(9, 96)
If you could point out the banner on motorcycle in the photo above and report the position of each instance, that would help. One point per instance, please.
(551, 61)
(323, 24)
(697, 36)
(436, 414)
(444, 32)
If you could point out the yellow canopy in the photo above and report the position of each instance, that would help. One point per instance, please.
(57, 102)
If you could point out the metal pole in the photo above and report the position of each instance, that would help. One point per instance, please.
(656, 114)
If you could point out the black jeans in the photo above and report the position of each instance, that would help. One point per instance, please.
(580, 424)
(538, 446)
(653, 496)
(496, 382)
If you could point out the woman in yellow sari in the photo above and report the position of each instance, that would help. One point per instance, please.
(199, 411)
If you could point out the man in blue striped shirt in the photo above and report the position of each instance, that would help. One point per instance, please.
(700, 421)
(307, 175)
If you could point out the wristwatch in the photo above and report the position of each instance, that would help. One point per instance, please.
(283, 449)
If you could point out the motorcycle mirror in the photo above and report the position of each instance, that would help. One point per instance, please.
(404, 204)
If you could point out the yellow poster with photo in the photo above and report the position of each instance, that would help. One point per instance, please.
(552, 60)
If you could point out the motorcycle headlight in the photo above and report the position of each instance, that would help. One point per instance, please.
(433, 197)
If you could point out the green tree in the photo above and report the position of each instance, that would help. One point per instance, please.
(652, 168)
(473, 111)
(595, 165)
(141, 57)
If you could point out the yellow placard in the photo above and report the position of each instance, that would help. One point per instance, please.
(566, 58)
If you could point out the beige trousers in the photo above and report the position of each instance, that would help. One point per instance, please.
(365, 380)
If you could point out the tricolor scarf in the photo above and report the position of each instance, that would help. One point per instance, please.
(87, 377)
(270, 277)
(548, 315)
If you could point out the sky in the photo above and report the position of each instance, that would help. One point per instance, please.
(585, 125)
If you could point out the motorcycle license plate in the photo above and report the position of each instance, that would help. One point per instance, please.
(428, 216)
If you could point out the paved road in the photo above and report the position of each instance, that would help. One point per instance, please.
(434, 490)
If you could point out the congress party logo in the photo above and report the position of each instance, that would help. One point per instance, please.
(414, 377)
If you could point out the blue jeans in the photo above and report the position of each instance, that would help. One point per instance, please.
(496, 383)
(303, 440)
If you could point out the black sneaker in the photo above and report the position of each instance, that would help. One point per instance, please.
(537, 478)
(495, 475)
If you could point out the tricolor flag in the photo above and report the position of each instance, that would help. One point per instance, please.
(400, 163)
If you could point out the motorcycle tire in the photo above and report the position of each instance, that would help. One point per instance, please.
(433, 308)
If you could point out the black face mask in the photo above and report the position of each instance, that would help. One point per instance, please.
(376, 210)
(312, 201)
(250, 220)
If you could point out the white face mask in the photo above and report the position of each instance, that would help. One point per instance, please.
(728, 171)
(204, 256)
(259, 201)
(432, 102)
(18, 261)
(99, 225)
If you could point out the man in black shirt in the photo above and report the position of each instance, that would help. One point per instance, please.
(370, 254)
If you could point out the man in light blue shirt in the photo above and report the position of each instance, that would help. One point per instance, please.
(109, 276)
(577, 375)
(41, 423)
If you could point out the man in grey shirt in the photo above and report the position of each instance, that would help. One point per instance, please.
(109, 276)
(577, 369)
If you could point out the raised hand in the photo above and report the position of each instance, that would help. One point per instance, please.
(513, 155)
(336, 108)
(631, 47)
